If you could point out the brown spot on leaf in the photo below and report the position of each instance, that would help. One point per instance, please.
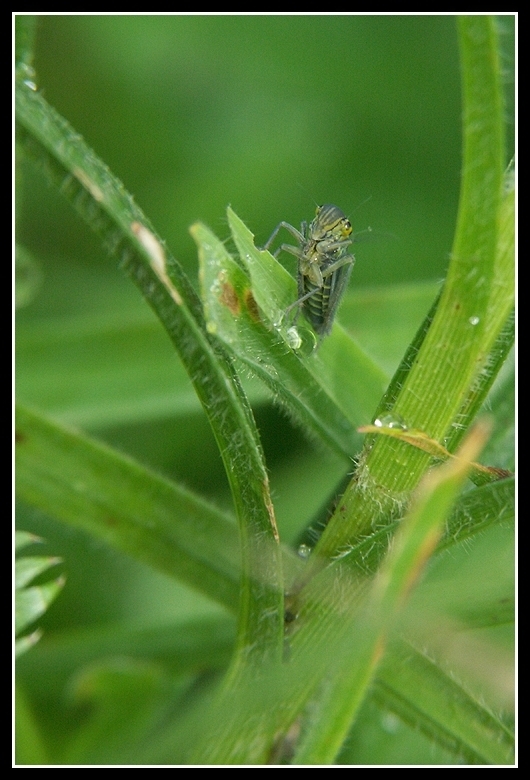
(252, 306)
(499, 473)
(229, 298)
(270, 508)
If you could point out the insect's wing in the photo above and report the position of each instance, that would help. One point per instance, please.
(300, 281)
(339, 282)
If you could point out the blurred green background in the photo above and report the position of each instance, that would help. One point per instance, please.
(270, 114)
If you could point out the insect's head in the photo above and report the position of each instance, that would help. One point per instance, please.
(330, 221)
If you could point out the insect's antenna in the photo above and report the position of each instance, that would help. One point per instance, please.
(361, 232)
(359, 206)
(306, 191)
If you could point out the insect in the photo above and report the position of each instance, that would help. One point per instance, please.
(324, 264)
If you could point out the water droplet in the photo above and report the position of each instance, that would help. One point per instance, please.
(300, 339)
(304, 551)
(474, 320)
(27, 73)
(391, 421)
(307, 341)
(293, 338)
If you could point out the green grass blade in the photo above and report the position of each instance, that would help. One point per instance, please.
(90, 486)
(474, 512)
(346, 601)
(103, 202)
(475, 304)
(441, 708)
(479, 509)
(363, 645)
(32, 600)
(240, 730)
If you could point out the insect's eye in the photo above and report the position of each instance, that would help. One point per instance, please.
(346, 227)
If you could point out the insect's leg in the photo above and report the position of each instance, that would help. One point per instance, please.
(293, 250)
(301, 300)
(346, 260)
(340, 272)
(328, 246)
(292, 230)
(343, 261)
